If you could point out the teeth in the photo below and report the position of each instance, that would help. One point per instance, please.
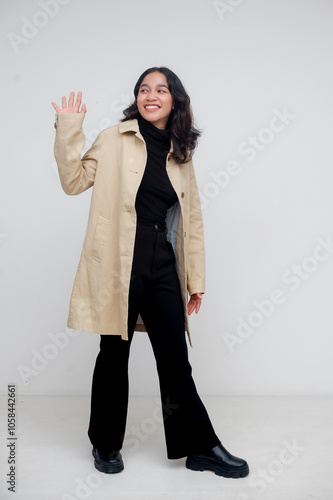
(151, 107)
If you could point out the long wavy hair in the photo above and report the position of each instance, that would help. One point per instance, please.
(182, 131)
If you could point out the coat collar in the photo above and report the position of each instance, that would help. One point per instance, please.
(133, 126)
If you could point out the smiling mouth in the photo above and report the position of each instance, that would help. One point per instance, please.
(152, 107)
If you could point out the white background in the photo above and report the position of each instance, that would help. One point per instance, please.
(238, 64)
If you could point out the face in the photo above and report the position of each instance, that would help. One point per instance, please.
(154, 100)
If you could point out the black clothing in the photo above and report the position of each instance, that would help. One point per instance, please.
(156, 193)
(155, 293)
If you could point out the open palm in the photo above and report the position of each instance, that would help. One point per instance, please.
(71, 108)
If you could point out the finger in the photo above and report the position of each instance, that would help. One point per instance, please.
(83, 109)
(55, 107)
(78, 100)
(63, 102)
(190, 308)
(71, 100)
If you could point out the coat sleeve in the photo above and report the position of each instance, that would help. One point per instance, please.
(76, 174)
(196, 247)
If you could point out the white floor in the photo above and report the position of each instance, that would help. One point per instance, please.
(287, 441)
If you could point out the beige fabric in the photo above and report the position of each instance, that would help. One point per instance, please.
(114, 166)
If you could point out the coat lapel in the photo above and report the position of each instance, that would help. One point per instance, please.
(134, 170)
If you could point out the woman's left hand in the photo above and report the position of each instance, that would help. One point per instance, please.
(194, 303)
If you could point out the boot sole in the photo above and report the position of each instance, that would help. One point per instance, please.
(230, 472)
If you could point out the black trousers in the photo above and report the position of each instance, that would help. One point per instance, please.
(155, 294)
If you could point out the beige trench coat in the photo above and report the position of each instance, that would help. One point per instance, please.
(114, 166)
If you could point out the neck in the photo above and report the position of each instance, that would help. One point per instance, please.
(151, 125)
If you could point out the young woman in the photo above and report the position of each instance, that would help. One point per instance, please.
(143, 254)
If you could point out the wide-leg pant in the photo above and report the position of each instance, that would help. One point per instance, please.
(155, 294)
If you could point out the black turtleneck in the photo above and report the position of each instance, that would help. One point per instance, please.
(156, 193)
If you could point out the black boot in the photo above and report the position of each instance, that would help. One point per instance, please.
(108, 463)
(220, 461)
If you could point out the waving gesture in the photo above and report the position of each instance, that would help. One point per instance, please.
(71, 108)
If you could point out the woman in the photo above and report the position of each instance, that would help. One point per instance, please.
(143, 254)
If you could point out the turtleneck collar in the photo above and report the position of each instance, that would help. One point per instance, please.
(149, 130)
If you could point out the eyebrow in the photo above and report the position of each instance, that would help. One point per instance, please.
(158, 85)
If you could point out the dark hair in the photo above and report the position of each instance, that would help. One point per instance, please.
(182, 131)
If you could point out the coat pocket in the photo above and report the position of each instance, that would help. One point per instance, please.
(99, 238)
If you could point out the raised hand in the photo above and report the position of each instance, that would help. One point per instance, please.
(71, 108)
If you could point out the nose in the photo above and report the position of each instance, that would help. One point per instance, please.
(151, 97)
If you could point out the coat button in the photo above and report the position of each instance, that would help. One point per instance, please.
(156, 226)
(182, 195)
